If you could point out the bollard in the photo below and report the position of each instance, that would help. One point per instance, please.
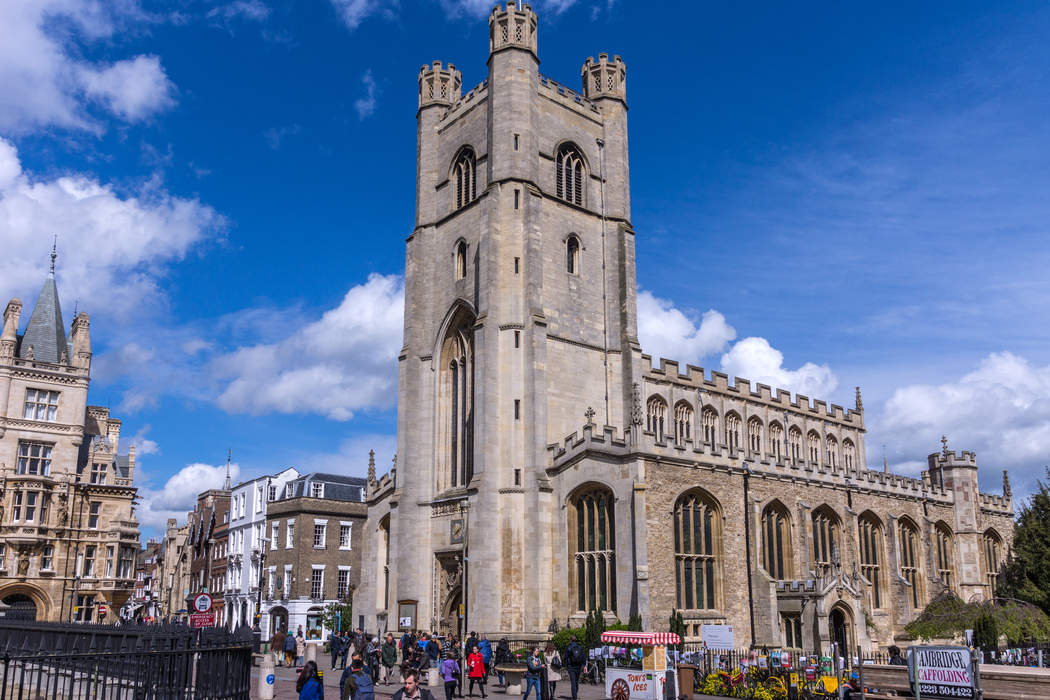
(434, 678)
(311, 653)
(267, 678)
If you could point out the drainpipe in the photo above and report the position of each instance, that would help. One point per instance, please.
(747, 545)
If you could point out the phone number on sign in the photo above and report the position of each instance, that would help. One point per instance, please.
(945, 691)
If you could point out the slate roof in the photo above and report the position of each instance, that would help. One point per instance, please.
(336, 487)
(46, 332)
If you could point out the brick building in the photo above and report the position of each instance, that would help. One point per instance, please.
(207, 547)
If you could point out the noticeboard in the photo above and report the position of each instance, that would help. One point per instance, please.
(942, 672)
(717, 636)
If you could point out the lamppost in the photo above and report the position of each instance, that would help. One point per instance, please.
(257, 628)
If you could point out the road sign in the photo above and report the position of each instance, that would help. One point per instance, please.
(202, 603)
(202, 619)
(942, 672)
(102, 610)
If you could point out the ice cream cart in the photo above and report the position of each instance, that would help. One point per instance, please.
(650, 681)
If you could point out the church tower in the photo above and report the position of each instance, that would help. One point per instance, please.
(520, 324)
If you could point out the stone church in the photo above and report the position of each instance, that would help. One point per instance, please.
(547, 467)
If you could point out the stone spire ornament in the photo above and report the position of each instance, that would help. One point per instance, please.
(228, 485)
(371, 466)
(54, 255)
(860, 402)
(1007, 493)
(944, 445)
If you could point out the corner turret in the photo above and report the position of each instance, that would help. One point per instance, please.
(513, 28)
(604, 78)
(80, 335)
(9, 337)
(439, 86)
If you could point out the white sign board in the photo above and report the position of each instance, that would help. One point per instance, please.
(942, 672)
(717, 636)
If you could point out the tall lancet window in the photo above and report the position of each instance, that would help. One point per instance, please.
(464, 176)
(456, 402)
(569, 174)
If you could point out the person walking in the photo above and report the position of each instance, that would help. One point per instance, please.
(485, 647)
(533, 672)
(335, 647)
(309, 685)
(575, 660)
(503, 656)
(289, 650)
(449, 673)
(388, 657)
(476, 671)
(355, 684)
(411, 690)
(347, 646)
(277, 646)
(554, 665)
(300, 647)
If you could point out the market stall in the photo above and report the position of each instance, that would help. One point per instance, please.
(651, 680)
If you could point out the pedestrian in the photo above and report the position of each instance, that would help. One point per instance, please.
(575, 660)
(471, 644)
(335, 647)
(289, 650)
(277, 645)
(433, 650)
(300, 647)
(895, 657)
(347, 646)
(355, 684)
(476, 671)
(372, 659)
(533, 673)
(554, 665)
(411, 689)
(485, 647)
(449, 674)
(388, 656)
(503, 656)
(309, 685)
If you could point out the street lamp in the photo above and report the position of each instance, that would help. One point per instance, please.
(257, 628)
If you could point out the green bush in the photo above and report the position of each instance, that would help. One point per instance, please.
(564, 637)
(985, 633)
(948, 617)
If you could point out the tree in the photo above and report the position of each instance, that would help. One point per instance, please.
(985, 633)
(338, 616)
(634, 623)
(948, 617)
(677, 626)
(1026, 575)
(595, 626)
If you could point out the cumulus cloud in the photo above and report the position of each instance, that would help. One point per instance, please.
(353, 12)
(664, 331)
(44, 82)
(143, 445)
(343, 362)
(755, 359)
(366, 105)
(179, 493)
(113, 247)
(1001, 410)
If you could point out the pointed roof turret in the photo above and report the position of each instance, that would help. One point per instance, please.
(227, 485)
(45, 336)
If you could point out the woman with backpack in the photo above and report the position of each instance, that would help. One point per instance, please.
(554, 665)
(450, 674)
(309, 686)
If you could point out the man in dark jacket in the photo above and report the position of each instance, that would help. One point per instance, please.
(575, 660)
(388, 657)
(412, 690)
(896, 659)
(335, 647)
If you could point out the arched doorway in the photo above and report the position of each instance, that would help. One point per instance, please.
(20, 607)
(839, 627)
(278, 620)
(450, 615)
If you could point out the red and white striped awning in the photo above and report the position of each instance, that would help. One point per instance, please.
(640, 638)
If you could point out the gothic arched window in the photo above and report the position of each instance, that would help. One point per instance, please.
(754, 434)
(776, 541)
(709, 418)
(697, 551)
(593, 549)
(813, 442)
(832, 452)
(464, 174)
(572, 255)
(569, 174)
(944, 546)
(849, 453)
(776, 440)
(461, 260)
(991, 556)
(456, 405)
(908, 536)
(683, 422)
(733, 431)
(826, 539)
(795, 442)
(870, 544)
(655, 415)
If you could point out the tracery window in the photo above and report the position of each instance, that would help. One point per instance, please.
(795, 443)
(776, 440)
(991, 554)
(776, 541)
(942, 537)
(683, 422)
(593, 549)
(813, 442)
(908, 536)
(655, 415)
(826, 538)
(849, 453)
(572, 255)
(569, 174)
(754, 434)
(870, 543)
(709, 418)
(464, 173)
(733, 431)
(456, 405)
(697, 548)
(832, 452)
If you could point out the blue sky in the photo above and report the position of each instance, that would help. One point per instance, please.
(824, 196)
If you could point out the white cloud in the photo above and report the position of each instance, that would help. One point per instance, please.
(250, 10)
(113, 247)
(1001, 410)
(179, 493)
(755, 359)
(366, 105)
(353, 12)
(343, 362)
(482, 8)
(143, 445)
(664, 331)
(43, 80)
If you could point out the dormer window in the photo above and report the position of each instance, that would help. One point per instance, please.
(316, 490)
(41, 405)
(98, 473)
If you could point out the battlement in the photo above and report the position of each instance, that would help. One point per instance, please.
(380, 486)
(558, 92)
(694, 378)
(474, 96)
(995, 502)
(438, 85)
(604, 78)
(949, 458)
(510, 27)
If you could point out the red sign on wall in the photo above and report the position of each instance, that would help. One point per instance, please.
(202, 619)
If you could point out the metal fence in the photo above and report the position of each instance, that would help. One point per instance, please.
(123, 662)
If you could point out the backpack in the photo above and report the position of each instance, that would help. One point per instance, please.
(365, 689)
(575, 656)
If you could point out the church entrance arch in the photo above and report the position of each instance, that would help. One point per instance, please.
(840, 623)
(20, 607)
(450, 616)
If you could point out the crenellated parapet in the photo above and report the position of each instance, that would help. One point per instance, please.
(379, 487)
(604, 78)
(475, 96)
(510, 27)
(439, 85)
(568, 97)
